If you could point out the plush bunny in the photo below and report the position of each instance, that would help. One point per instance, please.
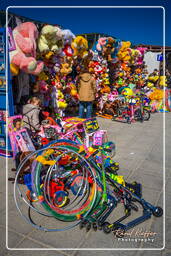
(24, 57)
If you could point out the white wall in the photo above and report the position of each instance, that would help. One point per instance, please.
(150, 59)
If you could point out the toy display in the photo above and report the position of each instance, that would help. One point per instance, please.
(66, 169)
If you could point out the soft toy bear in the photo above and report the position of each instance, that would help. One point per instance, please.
(134, 53)
(24, 57)
(65, 69)
(124, 53)
(50, 39)
(108, 48)
(80, 47)
(68, 37)
(43, 76)
(163, 81)
(101, 42)
(142, 51)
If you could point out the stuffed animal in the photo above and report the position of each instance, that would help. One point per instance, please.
(134, 56)
(127, 92)
(43, 76)
(68, 37)
(124, 53)
(24, 56)
(142, 51)
(61, 103)
(101, 42)
(153, 78)
(80, 47)
(58, 101)
(50, 39)
(65, 69)
(43, 86)
(162, 81)
(108, 48)
(157, 94)
(105, 89)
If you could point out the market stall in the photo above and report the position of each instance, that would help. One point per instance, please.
(64, 163)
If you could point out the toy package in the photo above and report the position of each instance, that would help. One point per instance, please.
(19, 137)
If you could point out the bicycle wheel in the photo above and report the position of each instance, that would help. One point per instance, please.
(146, 115)
(138, 115)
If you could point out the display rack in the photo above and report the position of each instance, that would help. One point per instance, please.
(5, 95)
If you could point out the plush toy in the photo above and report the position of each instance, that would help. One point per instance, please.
(142, 51)
(124, 53)
(61, 103)
(125, 67)
(65, 69)
(134, 56)
(43, 76)
(101, 42)
(68, 37)
(157, 94)
(50, 39)
(112, 96)
(153, 78)
(127, 92)
(14, 69)
(55, 82)
(105, 89)
(58, 101)
(108, 48)
(80, 47)
(162, 81)
(24, 56)
(43, 86)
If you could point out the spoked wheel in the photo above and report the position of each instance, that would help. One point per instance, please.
(138, 115)
(88, 226)
(146, 115)
(95, 226)
(158, 212)
(60, 198)
(107, 227)
(82, 224)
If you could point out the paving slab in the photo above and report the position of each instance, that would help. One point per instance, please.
(139, 153)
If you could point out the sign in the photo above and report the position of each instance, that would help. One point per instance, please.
(159, 57)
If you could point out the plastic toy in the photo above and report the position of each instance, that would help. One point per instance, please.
(93, 199)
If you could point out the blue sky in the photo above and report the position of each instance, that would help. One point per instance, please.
(139, 25)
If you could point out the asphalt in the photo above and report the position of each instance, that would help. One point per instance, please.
(140, 155)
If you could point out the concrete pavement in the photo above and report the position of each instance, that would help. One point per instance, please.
(140, 154)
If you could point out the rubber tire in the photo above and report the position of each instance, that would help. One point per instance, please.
(148, 115)
(138, 116)
(159, 212)
(105, 228)
(94, 226)
(88, 227)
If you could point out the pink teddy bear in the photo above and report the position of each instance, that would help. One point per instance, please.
(142, 51)
(24, 57)
(101, 43)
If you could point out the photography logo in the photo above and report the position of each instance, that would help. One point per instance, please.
(134, 235)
